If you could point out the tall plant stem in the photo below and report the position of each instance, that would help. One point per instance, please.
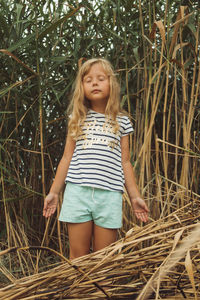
(40, 120)
(40, 108)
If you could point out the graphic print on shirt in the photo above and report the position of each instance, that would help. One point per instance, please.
(96, 134)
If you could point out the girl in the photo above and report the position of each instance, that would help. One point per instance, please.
(95, 164)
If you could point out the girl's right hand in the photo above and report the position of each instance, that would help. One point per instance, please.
(50, 204)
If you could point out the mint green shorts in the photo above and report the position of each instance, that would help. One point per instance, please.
(84, 203)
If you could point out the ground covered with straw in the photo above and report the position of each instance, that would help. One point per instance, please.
(158, 261)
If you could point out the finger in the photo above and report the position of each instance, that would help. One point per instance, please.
(49, 212)
(138, 216)
(45, 214)
(142, 216)
(46, 203)
(145, 217)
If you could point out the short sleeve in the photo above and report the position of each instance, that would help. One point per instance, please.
(127, 127)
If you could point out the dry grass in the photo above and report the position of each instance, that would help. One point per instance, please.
(157, 261)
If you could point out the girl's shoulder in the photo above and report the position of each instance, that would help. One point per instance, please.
(125, 124)
(124, 116)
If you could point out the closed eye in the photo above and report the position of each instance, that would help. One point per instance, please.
(101, 78)
(88, 79)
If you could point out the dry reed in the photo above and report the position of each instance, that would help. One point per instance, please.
(142, 265)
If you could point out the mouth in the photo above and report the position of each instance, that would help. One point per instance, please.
(96, 91)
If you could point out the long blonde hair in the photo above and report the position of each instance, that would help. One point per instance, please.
(79, 105)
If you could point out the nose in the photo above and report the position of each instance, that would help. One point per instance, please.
(94, 81)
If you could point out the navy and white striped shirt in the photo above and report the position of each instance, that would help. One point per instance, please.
(96, 161)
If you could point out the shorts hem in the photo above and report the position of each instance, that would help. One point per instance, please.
(107, 226)
(74, 221)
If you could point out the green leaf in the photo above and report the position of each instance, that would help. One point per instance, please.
(189, 63)
(57, 23)
(59, 59)
(192, 28)
(19, 8)
(3, 25)
(113, 33)
(135, 51)
(21, 42)
(124, 100)
(7, 89)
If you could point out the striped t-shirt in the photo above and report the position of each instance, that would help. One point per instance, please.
(96, 161)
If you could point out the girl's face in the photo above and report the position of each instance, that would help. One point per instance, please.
(96, 86)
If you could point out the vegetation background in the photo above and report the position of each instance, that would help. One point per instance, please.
(154, 48)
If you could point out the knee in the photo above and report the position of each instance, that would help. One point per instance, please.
(76, 253)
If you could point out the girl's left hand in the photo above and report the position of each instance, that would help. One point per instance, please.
(140, 209)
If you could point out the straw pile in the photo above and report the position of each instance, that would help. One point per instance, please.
(158, 261)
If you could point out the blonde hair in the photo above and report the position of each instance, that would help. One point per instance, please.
(79, 105)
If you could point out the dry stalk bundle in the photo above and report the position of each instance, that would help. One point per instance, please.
(143, 265)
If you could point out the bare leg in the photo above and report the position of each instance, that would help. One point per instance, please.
(103, 237)
(80, 235)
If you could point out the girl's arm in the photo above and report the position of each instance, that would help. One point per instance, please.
(139, 207)
(51, 200)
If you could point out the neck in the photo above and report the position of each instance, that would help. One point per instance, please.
(99, 108)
